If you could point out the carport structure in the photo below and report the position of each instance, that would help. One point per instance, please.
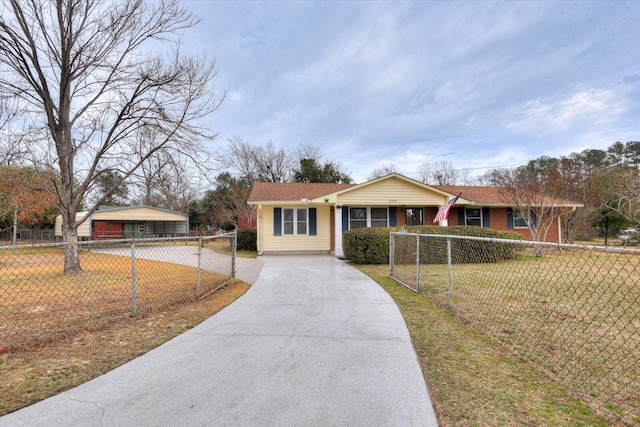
(127, 222)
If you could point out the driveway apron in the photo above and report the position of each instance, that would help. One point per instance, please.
(314, 342)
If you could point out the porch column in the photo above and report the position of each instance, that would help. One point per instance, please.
(339, 253)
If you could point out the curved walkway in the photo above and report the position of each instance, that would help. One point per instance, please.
(314, 342)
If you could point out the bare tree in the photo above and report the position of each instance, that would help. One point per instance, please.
(165, 180)
(443, 173)
(257, 163)
(384, 169)
(622, 189)
(165, 183)
(534, 199)
(233, 209)
(81, 71)
(307, 151)
(12, 148)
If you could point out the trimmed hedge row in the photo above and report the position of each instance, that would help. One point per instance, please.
(371, 245)
(247, 239)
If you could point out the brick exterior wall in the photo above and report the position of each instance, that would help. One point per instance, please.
(498, 221)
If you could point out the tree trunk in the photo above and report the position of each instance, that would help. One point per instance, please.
(71, 250)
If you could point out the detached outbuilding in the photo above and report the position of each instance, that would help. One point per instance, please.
(127, 222)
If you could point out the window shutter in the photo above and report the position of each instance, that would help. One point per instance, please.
(313, 223)
(509, 218)
(345, 218)
(277, 221)
(461, 219)
(393, 216)
(485, 218)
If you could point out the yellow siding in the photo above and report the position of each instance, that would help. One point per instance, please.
(137, 214)
(391, 192)
(270, 243)
(83, 230)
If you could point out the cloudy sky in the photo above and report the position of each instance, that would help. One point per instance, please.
(478, 84)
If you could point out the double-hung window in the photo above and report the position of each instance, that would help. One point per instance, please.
(368, 217)
(357, 218)
(473, 216)
(295, 221)
(379, 217)
(519, 221)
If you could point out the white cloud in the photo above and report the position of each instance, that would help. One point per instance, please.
(474, 83)
(544, 116)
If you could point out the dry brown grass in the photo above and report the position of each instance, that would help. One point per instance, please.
(40, 304)
(573, 313)
(474, 382)
(29, 376)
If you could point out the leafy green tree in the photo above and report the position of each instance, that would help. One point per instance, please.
(311, 170)
(632, 154)
(616, 154)
(609, 221)
(111, 189)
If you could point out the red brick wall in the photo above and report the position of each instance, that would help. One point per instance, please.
(498, 221)
(429, 214)
(402, 218)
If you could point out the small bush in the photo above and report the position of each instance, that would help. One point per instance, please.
(367, 245)
(247, 239)
(371, 245)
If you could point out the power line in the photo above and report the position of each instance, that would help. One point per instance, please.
(470, 169)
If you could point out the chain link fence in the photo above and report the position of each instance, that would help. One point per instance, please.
(571, 310)
(122, 278)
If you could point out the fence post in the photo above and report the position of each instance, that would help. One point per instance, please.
(417, 262)
(134, 296)
(199, 267)
(392, 252)
(450, 272)
(234, 242)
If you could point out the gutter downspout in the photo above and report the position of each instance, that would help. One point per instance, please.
(259, 228)
(338, 251)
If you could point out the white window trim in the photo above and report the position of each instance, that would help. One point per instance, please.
(518, 215)
(481, 216)
(295, 222)
(368, 208)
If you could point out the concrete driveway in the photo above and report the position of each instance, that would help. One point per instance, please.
(314, 342)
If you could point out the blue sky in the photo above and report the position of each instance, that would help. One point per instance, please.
(478, 84)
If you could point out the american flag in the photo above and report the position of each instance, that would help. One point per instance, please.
(443, 212)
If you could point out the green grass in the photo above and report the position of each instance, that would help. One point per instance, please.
(474, 381)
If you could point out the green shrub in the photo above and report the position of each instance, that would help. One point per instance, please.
(371, 245)
(247, 239)
(367, 245)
